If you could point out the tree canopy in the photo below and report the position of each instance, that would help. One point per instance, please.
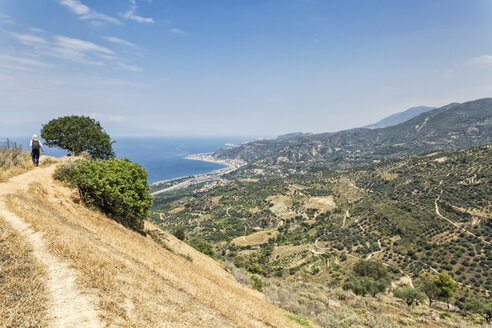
(369, 277)
(78, 134)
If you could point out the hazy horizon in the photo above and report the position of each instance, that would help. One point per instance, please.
(258, 68)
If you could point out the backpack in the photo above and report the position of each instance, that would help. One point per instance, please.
(36, 145)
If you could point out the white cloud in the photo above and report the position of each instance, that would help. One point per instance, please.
(7, 19)
(130, 14)
(24, 61)
(29, 39)
(481, 60)
(133, 68)
(86, 13)
(81, 45)
(37, 30)
(178, 31)
(119, 41)
(77, 50)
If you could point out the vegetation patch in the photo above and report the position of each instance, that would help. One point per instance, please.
(299, 319)
(118, 187)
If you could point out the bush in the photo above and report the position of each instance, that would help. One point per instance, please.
(180, 234)
(78, 134)
(202, 246)
(482, 306)
(118, 187)
(409, 294)
(369, 277)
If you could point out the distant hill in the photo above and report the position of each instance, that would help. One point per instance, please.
(454, 126)
(401, 117)
(291, 135)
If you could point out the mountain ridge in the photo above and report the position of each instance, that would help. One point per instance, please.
(400, 117)
(453, 126)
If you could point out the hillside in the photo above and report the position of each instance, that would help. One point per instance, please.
(401, 117)
(417, 214)
(454, 126)
(64, 265)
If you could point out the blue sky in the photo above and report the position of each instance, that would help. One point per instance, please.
(237, 67)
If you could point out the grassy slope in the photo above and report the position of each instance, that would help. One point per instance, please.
(136, 281)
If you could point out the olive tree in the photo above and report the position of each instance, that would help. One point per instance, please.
(78, 134)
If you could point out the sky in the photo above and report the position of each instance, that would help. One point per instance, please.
(255, 68)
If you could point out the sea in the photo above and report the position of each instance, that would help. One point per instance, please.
(163, 157)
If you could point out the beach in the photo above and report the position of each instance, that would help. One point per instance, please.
(183, 182)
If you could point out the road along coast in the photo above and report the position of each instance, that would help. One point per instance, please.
(183, 182)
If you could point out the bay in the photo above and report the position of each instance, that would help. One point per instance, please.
(163, 157)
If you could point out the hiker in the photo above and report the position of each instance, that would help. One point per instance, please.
(36, 145)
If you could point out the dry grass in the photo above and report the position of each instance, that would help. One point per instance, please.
(22, 283)
(321, 203)
(13, 162)
(137, 281)
(255, 238)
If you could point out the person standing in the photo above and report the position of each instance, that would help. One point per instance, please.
(36, 145)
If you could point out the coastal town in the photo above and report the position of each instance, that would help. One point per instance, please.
(183, 182)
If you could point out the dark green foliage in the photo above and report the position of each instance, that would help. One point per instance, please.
(117, 186)
(446, 285)
(180, 234)
(409, 294)
(202, 246)
(78, 134)
(369, 277)
(482, 306)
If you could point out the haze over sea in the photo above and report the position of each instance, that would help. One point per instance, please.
(163, 157)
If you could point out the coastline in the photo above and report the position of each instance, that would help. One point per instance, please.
(185, 181)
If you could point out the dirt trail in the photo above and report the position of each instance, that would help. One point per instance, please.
(69, 307)
(454, 223)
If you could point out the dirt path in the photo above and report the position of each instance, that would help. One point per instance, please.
(347, 214)
(454, 223)
(380, 250)
(68, 307)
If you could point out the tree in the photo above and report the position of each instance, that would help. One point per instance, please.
(480, 306)
(78, 134)
(368, 277)
(428, 286)
(446, 285)
(409, 294)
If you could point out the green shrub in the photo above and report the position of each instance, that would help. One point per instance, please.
(180, 234)
(409, 294)
(257, 283)
(118, 187)
(202, 246)
(368, 277)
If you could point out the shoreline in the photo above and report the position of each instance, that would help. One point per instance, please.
(185, 181)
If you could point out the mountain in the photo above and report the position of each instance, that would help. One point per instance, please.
(453, 126)
(291, 135)
(401, 117)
